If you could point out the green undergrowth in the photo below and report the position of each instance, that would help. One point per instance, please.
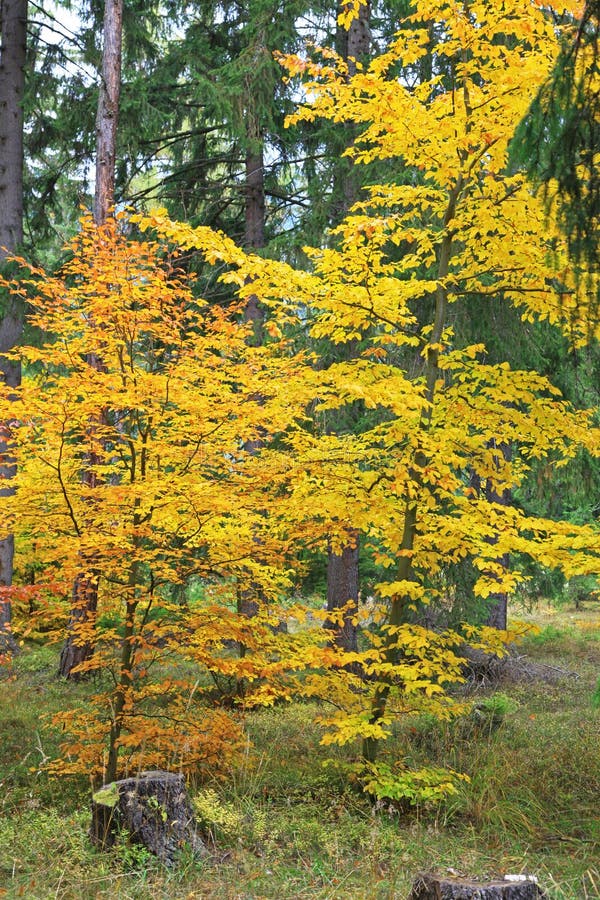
(289, 824)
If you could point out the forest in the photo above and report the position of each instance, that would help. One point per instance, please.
(300, 449)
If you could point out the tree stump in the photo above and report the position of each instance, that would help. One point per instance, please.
(433, 887)
(153, 808)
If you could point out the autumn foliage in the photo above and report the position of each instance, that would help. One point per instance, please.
(177, 502)
(213, 472)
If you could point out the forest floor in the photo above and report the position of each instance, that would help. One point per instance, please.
(286, 826)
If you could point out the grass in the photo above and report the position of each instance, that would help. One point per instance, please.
(286, 826)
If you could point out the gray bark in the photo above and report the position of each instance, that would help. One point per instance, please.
(13, 43)
(108, 110)
(354, 43)
(12, 83)
(356, 47)
(154, 809)
(254, 233)
(432, 887)
(342, 588)
(254, 236)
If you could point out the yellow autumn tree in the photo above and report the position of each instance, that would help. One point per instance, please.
(182, 395)
(180, 514)
(463, 225)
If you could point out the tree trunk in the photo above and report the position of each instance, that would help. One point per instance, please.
(154, 809)
(78, 647)
(255, 209)
(12, 82)
(432, 887)
(254, 233)
(353, 45)
(342, 589)
(405, 572)
(108, 110)
(497, 616)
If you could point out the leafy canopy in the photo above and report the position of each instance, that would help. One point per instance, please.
(181, 396)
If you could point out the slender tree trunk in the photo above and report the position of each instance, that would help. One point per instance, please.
(405, 572)
(342, 589)
(108, 110)
(497, 606)
(254, 233)
(122, 690)
(353, 45)
(13, 45)
(255, 209)
(12, 84)
(248, 598)
(79, 645)
(497, 616)
(125, 680)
